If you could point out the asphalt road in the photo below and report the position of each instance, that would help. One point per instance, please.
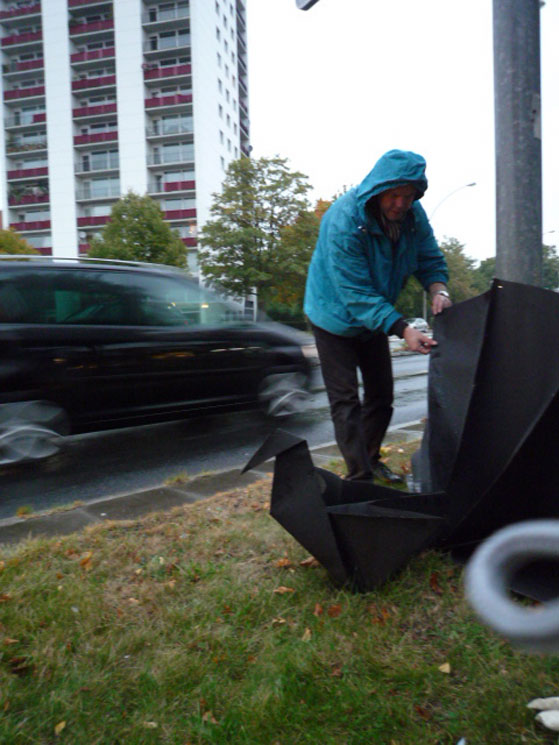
(121, 461)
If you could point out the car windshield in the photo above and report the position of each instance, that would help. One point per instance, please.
(101, 297)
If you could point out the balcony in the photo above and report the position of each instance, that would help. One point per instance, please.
(95, 137)
(20, 146)
(92, 54)
(109, 191)
(180, 214)
(172, 71)
(27, 10)
(24, 119)
(156, 17)
(160, 101)
(17, 39)
(165, 129)
(20, 173)
(15, 66)
(22, 227)
(105, 81)
(79, 3)
(85, 222)
(18, 93)
(91, 28)
(164, 45)
(179, 186)
(15, 201)
(96, 167)
(190, 242)
(102, 109)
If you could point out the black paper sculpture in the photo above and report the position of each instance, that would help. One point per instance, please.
(489, 455)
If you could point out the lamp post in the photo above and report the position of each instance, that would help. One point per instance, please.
(464, 186)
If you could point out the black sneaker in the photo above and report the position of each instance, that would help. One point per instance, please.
(381, 472)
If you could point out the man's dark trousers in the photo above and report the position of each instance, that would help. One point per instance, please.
(359, 426)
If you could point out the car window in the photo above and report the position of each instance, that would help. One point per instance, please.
(101, 297)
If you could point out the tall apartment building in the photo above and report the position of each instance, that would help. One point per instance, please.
(103, 96)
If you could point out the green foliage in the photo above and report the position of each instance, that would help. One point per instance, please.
(486, 271)
(13, 243)
(138, 232)
(483, 275)
(261, 234)
(461, 270)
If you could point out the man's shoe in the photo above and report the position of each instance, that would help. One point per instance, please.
(381, 472)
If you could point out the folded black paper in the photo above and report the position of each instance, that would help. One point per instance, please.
(489, 455)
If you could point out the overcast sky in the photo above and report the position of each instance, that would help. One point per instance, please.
(334, 87)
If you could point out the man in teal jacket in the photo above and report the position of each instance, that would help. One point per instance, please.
(371, 240)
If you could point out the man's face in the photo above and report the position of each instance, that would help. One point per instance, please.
(394, 203)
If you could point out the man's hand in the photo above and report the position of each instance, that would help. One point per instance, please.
(417, 341)
(439, 303)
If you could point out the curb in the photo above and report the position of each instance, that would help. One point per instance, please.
(134, 505)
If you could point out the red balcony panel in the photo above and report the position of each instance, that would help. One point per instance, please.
(92, 221)
(92, 54)
(87, 28)
(38, 90)
(32, 64)
(37, 225)
(167, 72)
(93, 82)
(28, 172)
(45, 250)
(106, 108)
(76, 3)
(39, 118)
(179, 214)
(96, 137)
(189, 241)
(28, 199)
(83, 248)
(15, 12)
(179, 185)
(168, 100)
(22, 38)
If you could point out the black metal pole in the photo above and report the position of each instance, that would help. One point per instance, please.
(518, 151)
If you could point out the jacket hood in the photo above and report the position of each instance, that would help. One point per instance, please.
(394, 168)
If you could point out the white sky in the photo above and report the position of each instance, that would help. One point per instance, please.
(334, 87)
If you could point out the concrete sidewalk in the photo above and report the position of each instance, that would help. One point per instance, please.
(133, 505)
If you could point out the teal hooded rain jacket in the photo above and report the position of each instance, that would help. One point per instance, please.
(355, 276)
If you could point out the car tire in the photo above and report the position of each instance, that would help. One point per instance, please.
(283, 394)
(30, 431)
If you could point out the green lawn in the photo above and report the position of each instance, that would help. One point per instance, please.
(209, 625)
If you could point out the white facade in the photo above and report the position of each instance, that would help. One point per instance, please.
(104, 96)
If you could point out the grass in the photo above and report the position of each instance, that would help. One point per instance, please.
(209, 625)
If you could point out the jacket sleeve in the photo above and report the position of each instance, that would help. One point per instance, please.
(350, 274)
(430, 259)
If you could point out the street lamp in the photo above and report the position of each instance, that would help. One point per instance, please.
(464, 186)
(305, 4)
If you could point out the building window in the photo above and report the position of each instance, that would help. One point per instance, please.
(220, 111)
(217, 34)
(218, 59)
(221, 137)
(219, 86)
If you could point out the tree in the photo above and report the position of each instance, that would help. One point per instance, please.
(138, 232)
(485, 272)
(13, 243)
(260, 230)
(461, 285)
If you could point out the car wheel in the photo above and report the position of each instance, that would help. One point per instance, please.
(283, 394)
(30, 430)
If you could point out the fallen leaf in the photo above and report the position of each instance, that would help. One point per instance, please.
(334, 611)
(150, 725)
(306, 636)
(423, 713)
(59, 727)
(7, 641)
(85, 561)
(209, 717)
(318, 610)
(2, 566)
(445, 668)
(133, 601)
(283, 562)
(434, 583)
(279, 621)
(336, 671)
(5, 597)
(281, 590)
(309, 562)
